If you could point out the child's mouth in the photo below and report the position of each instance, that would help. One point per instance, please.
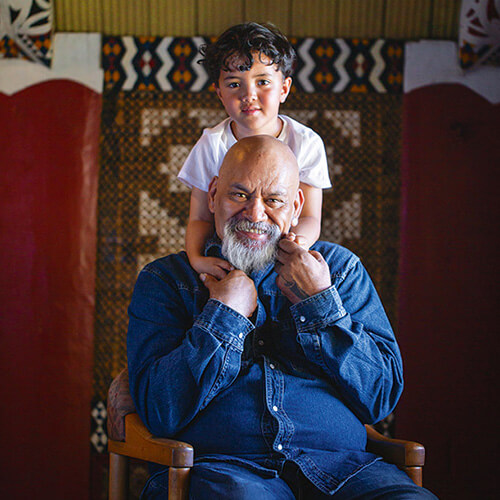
(250, 111)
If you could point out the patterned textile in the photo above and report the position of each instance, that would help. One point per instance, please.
(479, 37)
(26, 29)
(349, 91)
(324, 65)
(143, 209)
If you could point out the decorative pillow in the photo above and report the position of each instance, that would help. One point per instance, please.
(479, 36)
(26, 29)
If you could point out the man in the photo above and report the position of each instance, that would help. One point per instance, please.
(272, 371)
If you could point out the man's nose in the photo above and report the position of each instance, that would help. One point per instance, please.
(255, 210)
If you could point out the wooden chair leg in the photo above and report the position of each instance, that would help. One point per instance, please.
(415, 474)
(178, 483)
(118, 477)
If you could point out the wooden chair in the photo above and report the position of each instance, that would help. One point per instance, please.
(128, 437)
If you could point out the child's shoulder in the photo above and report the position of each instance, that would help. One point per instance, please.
(298, 131)
(217, 130)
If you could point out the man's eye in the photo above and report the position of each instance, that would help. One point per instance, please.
(274, 201)
(239, 196)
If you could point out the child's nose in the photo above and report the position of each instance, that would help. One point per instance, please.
(248, 93)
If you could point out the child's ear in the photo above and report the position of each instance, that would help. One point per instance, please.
(217, 91)
(285, 89)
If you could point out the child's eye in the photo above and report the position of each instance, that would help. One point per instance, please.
(264, 82)
(233, 85)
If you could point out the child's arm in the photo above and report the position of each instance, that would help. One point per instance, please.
(309, 226)
(199, 228)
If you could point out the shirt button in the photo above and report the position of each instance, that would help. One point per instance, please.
(275, 408)
(302, 319)
(272, 366)
(280, 447)
(240, 335)
(260, 342)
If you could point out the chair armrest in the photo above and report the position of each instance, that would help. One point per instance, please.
(140, 443)
(395, 451)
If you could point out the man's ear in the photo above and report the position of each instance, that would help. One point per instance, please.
(212, 189)
(298, 203)
(285, 89)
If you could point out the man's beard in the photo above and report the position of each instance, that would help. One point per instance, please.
(249, 255)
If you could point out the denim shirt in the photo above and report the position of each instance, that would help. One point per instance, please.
(293, 382)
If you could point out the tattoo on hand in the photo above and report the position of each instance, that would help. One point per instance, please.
(296, 290)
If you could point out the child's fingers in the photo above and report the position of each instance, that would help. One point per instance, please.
(224, 264)
(218, 272)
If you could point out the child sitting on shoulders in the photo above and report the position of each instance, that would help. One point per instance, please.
(250, 66)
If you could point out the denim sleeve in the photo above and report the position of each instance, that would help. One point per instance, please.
(344, 330)
(177, 365)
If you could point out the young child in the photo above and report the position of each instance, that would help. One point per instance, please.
(250, 65)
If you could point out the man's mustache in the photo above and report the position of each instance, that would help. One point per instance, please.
(247, 226)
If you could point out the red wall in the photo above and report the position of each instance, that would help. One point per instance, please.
(48, 192)
(448, 327)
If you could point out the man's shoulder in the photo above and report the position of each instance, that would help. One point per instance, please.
(339, 258)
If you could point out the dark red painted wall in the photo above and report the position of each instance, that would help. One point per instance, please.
(448, 327)
(48, 190)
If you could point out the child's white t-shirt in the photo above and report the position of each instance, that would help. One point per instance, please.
(205, 159)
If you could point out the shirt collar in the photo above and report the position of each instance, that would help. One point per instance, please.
(213, 247)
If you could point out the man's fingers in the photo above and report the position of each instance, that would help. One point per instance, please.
(286, 245)
(208, 279)
(317, 255)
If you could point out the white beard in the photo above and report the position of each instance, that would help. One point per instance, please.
(250, 256)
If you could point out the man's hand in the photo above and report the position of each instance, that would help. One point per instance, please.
(236, 290)
(301, 273)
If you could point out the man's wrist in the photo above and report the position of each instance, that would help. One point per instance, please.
(224, 322)
(320, 308)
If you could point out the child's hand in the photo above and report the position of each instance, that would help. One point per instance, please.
(212, 265)
(297, 238)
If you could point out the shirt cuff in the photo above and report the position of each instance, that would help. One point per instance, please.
(224, 323)
(323, 308)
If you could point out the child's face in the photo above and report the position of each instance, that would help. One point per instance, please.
(252, 98)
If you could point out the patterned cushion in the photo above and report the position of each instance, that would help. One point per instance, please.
(26, 29)
(479, 36)
(120, 404)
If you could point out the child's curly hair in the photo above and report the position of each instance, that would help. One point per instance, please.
(243, 39)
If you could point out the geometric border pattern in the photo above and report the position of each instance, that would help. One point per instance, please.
(333, 65)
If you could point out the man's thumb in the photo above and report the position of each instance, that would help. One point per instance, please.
(317, 255)
(207, 279)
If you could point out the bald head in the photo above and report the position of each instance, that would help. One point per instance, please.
(256, 197)
(250, 153)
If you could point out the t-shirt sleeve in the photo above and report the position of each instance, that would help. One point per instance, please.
(201, 165)
(313, 165)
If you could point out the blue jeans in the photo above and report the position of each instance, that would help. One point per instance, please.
(229, 481)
